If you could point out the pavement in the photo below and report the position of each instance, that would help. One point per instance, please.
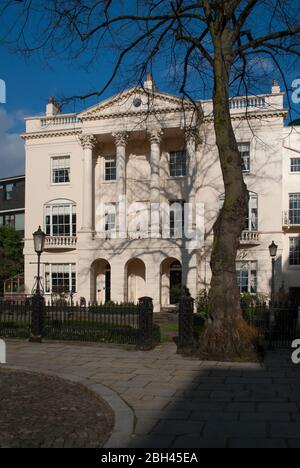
(163, 400)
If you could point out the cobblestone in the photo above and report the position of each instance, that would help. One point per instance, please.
(42, 411)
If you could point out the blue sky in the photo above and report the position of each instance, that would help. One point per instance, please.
(30, 82)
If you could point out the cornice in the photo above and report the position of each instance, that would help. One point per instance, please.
(72, 132)
(254, 116)
(54, 134)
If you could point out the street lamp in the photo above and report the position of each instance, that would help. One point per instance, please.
(37, 299)
(273, 254)
(39, 244)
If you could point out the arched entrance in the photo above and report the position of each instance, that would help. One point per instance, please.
(171, 278)
(101, 278)
(135, 277)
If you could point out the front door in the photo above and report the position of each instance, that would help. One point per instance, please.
(175, 280)
(108, 285)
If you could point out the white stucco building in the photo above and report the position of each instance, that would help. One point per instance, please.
(150, 148)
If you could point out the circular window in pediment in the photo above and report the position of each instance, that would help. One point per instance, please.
(137, 102)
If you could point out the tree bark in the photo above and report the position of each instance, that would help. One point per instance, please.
(227, 335)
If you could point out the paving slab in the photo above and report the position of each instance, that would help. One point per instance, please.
(163, 400)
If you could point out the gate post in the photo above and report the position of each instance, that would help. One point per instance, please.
(145, 339)
(186, 323)
(37, 318)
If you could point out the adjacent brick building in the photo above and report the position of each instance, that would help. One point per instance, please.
(12, 202)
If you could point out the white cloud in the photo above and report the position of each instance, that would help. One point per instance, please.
(11, 145)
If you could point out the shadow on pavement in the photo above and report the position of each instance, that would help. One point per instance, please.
(226, 406)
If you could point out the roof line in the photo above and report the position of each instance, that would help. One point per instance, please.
(12, 178)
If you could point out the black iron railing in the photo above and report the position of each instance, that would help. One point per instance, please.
(277, 324)
(116, 324)
(15, 319)
(125, 324)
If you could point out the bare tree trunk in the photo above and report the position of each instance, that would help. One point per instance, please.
(227, 335)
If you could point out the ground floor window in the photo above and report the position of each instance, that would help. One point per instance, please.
(247, 276)
(60, 278)
(294, 251)
(294, 294)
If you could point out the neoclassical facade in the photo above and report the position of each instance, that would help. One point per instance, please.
(127, 192)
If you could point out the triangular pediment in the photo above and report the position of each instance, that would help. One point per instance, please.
(134, 102)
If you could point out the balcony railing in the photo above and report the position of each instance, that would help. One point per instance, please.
(250, 237)
(244, 103)
(291, 218)
(59, 242)
(59, 120)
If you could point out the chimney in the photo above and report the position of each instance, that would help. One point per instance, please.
(52, 108)
(276, 88)
(149, 84)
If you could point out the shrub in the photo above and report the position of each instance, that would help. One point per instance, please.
(199, 322)
(82, 302)
(178, 292)
(248, 299)
(202, 304)
(248, 302)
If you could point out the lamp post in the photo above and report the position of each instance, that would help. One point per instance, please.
(39, 244)
(37, 299)
(273, 254)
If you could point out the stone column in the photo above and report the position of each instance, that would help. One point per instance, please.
(98, 182)
(121, 139)
(153, 285)
(88, 143)
(118, 279)
(190, 141)
(155, 140)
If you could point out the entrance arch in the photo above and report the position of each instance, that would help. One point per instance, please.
(135, 277)
(101, 281)
(171, 277)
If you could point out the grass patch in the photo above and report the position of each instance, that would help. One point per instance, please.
(168, 331)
